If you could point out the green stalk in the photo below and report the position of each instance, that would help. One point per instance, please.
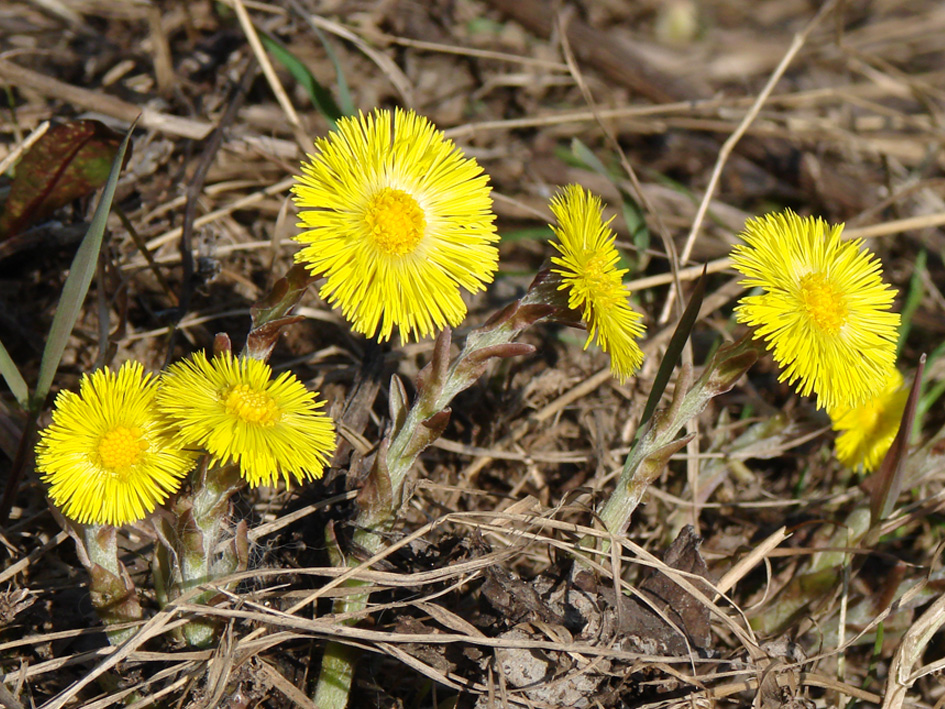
(383, 496)
(650, 455)
(111, 588)
(203, 521)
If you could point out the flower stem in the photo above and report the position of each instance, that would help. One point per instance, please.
(652, 451)
(202, 523)
(384, 495)
(112, 590)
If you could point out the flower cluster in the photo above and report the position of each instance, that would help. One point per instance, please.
(125, 442)
(399, 222)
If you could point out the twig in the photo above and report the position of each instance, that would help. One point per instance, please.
(393, 72)
(235, 205)
(910, 651)
(23, 146)
(103, 103)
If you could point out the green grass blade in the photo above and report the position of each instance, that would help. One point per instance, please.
(344, 93)
(674, 349)
(586, 156)
(11, 374)
(321, 97)
(78, 282)
(934, 391)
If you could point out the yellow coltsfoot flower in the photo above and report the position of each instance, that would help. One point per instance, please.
(106, 456)
(398, 221)
(868, 430)
(589, 273)
(233, 408)
(824, 309)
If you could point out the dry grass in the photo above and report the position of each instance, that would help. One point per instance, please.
(765, 105)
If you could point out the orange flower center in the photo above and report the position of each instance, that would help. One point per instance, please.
(251, 406)
(120, 448)
(395, 222)
(823, 303)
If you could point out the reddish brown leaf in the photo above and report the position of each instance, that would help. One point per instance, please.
(262, 339)
(70, 161)
(285, 295)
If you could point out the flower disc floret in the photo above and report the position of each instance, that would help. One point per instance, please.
(867, 431)
(397, 221)
(587, 267)
(106, 457)
(234, 409)
(824, 309)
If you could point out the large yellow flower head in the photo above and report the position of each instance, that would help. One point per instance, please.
(866, 431)
(824, 309)
(106, 456)
(398, 221)
(588, 271)
(234, 409)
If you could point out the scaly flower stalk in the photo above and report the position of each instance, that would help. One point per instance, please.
(418, 427)
(203, 523)
(658, 442)
(111, 589)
